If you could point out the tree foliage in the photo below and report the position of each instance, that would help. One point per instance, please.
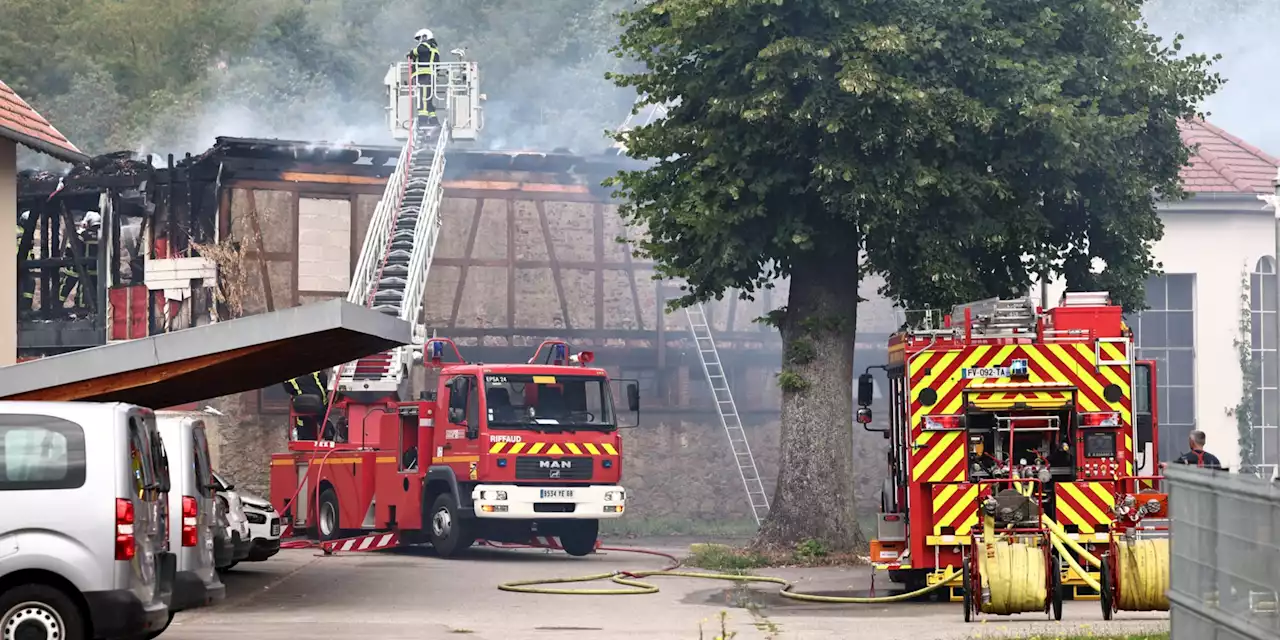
(959, 146)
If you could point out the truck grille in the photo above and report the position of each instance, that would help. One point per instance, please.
(539, 468)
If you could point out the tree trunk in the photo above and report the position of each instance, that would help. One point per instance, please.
(815, 498)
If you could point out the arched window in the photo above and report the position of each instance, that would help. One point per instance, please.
(1266, 403)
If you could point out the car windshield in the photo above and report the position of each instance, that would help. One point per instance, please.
(549, 403)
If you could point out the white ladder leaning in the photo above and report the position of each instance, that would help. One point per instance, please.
(728, 410)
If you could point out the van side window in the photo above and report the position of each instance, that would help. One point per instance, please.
(204, 468)
(40, 452)
(141, 464)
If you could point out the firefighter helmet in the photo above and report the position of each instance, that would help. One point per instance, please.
(92, 220)
(423, 35)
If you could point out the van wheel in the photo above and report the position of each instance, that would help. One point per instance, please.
(450, 535)
(327, 520)
(39, 611)
(580, 538)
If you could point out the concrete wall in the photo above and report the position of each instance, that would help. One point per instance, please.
(8, 247)
(1219, 241)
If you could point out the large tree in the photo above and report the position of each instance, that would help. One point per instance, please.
(955, 147)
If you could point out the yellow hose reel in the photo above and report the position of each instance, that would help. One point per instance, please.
(1135, 576)
(1011, 572)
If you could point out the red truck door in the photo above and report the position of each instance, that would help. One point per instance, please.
(458, 442)
(1146, 418)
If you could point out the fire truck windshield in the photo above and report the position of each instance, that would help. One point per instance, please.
(549, 403)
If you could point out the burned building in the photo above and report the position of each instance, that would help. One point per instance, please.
(527, 251)
(92, 286)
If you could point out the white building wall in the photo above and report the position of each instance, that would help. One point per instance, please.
(1220, 244)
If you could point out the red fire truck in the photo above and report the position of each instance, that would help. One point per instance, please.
(500, 452)
(1014, 391)
(503, 452)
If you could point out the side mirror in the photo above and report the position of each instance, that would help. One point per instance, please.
(866, 388)
(633, 397)
(457, 416)
(864, 416)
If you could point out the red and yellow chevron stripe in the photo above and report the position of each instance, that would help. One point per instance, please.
(939, 388)
(1013, 396)
(940, 457)
(955, 507)
(1087, 505)
(553, 448)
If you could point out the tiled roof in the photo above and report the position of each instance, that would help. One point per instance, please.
(20, 123)
(1224, 163)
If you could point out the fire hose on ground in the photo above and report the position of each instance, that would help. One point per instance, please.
(632, 579)
(1015, 577)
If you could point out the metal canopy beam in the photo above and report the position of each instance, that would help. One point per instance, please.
(210, 361)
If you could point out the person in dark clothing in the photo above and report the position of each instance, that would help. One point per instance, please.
(424, 56)
(316, 384)
(1197, 455)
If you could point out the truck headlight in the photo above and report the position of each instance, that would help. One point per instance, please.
(501, 495)
(610, 496)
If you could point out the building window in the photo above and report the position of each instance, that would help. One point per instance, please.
(1165, 333)
(1266, 402)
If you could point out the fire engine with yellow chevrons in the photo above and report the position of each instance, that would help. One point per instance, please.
(513, 453)
(1005, 389)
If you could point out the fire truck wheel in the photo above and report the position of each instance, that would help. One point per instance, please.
(450, 535)
(328, 520)
(579, 539)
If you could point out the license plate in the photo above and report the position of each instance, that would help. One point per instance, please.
(988, 372)
(556, 493)
(275, 529)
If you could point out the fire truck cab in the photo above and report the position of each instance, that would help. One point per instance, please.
(500, 452)
(1008, 390)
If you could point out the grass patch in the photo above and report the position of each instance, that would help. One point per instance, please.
(1089, 636)
(730, 559)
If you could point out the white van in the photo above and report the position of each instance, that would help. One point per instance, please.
(82, 549)
(191, 508)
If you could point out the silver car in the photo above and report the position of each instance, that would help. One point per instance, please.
(82, 548)
(191, 507)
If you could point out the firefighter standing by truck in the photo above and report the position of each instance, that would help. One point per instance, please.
(424, 56)
(316, 384)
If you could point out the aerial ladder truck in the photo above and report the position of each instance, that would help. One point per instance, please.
(509, 452)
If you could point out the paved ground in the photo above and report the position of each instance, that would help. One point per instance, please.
(412, 594)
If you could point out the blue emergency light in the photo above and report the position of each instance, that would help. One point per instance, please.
(558, 353)
(1019, 369)
(437, 350)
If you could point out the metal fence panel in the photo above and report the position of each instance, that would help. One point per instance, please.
(1225, 548)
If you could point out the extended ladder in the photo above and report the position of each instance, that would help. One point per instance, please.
(728, 410)
(391, 275)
